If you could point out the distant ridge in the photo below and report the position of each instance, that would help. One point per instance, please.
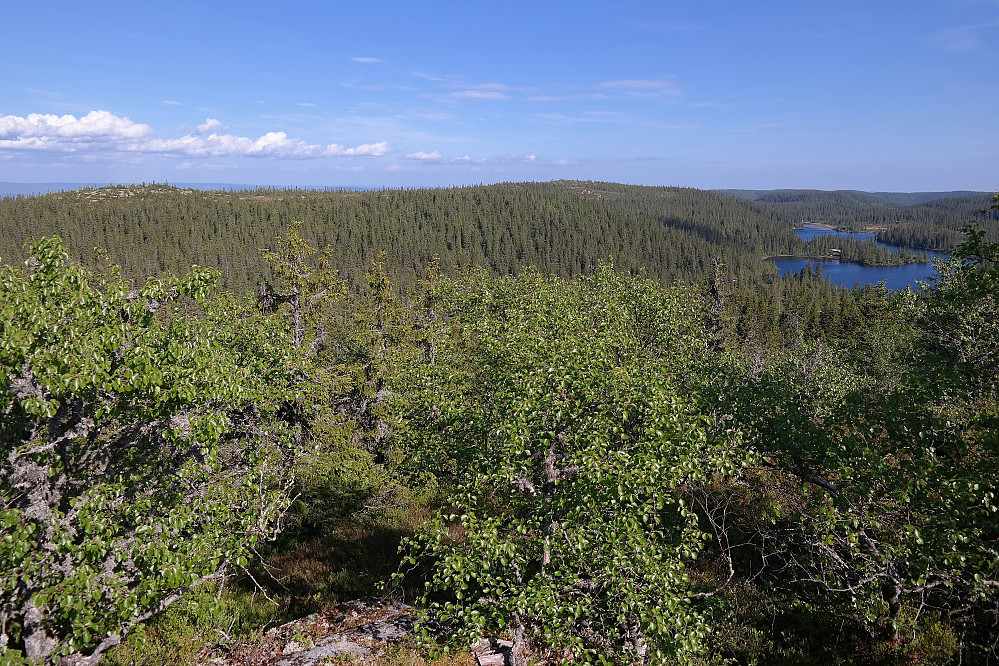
(847, 196)
(564, 227)
(10, 188)
(567, 228)
(29, 189)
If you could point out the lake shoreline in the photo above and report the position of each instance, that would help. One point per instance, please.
(847, 273)
(827, 260)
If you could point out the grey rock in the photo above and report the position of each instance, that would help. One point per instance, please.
(328, 649)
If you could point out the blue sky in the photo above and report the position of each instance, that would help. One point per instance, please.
(896, 95)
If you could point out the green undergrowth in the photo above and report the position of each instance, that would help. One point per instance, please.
(755, 628)
(201, 620)
(306, 571)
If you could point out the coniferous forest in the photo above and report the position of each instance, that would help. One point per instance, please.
(584, 417)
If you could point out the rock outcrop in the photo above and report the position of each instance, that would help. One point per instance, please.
(352, 631)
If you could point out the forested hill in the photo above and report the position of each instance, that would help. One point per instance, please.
(835, 202)
(933, 225)
(850, 199)
(928, 220)
(565, 228)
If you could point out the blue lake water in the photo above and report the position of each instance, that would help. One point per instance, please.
(847, 275)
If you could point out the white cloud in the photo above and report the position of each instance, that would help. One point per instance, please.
(272, 144)
(366, 60)
(436, 155)
(96, 125)
(514, 159)
(104, 131)
(171, 102)
(210, 125)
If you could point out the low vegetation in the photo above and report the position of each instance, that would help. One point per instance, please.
(600, 465)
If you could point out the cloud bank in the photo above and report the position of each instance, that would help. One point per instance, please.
(436, 155)
(41, 130)
(102, 131)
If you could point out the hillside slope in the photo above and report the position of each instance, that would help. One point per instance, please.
(565, 228)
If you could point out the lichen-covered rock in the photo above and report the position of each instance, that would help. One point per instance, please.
(354, 630)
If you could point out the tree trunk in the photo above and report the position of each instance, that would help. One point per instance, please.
(891, 591)
(517, 657)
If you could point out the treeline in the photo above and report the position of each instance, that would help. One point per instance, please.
(864, 252)
(848, 198)
(936, 225)
(817, 206)
(921, 220)
(806, 305)
(562, 228)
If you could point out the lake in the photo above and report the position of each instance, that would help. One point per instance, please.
(847, 275)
